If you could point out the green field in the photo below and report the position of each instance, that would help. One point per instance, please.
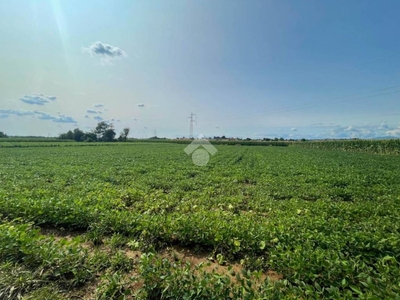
(141, 221)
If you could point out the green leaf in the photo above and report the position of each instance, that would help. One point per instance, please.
(262, 245)
(356, 289)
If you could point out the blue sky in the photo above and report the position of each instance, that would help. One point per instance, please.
(313, 69)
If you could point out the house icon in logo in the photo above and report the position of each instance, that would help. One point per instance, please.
(200, 149)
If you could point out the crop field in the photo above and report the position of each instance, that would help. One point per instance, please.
(391, 146)
(141, 221)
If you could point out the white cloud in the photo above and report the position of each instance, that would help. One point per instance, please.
(384, 126)
(294, 129)
(345, 132)
(107, 52)
(357, 131)
(395, 132)
(37, 99)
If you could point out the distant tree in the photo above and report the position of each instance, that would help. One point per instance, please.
(124, 134)
(3, 135)
(66, 136)
(78, 135)
(89, 137)
(62, 136)
(101, 129)
(108, 135)
(70, 135)
(105, 132)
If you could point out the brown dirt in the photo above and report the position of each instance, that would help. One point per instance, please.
(174, 253)
(59, 234)
(195, 259)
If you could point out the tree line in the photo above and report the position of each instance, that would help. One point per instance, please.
(103, 132)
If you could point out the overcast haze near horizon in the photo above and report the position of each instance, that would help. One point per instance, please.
(293, 69)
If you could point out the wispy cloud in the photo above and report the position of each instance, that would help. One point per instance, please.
(60, 118)
(17, 112)
(98, 118)
(394, 132)
(107, 52)
(37, 99)
(140, 105)
(98, 105)
(91, 111)
(112, 120)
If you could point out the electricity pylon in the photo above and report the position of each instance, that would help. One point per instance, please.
(192, 120)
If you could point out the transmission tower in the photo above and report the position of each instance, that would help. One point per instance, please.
(192, 120)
